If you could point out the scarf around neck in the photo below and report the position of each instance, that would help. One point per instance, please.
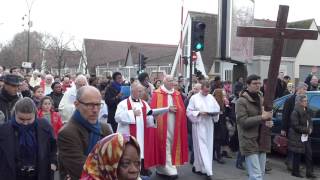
(93, 129)
(7, 96)
(116, 85)
(27, 140)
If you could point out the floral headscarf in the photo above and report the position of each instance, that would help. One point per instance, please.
(102, 162)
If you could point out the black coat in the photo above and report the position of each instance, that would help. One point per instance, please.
(56, 100)
(112, 101)
(287, 110)
(280, 89)
(299, 120)
(6, 104)
(47, 151)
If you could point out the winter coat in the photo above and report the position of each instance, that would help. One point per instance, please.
(287, 110)
(112, 101)
(56, 100)
(7, 103)
(55, 119)
(73, 141)
(249, 120)
(46, 154)
(300, 117)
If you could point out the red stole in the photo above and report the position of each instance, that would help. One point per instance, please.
(133, 127)
(157, 137)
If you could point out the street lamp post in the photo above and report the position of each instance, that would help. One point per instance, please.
(29, 26)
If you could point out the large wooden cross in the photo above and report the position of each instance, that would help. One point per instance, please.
(279, 33)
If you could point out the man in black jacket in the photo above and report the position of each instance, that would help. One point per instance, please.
(287, 110)
(9, 96)
(113, 98)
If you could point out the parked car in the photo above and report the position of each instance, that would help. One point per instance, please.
(314, 105)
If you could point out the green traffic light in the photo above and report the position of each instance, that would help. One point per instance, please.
(199, 46)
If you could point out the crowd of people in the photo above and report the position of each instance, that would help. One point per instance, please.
(92, 128)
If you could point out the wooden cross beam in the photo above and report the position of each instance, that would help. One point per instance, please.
(279, 33)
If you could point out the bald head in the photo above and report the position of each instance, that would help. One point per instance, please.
(88, 103)
(84, 90)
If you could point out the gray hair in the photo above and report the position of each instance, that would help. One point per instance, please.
(299, 98)
(81, 77)
(25, 105)
(301, 85)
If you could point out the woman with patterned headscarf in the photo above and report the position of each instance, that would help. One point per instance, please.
(115, 157)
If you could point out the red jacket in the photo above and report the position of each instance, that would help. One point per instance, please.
(56, 121)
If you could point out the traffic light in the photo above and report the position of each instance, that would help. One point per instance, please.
(142, 61)
(197, 35)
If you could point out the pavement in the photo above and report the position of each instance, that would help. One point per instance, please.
(228, 171)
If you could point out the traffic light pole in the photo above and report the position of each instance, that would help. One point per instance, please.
(190, 78)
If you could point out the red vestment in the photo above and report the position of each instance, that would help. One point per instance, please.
(155, 154)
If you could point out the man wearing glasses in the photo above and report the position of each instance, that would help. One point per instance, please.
(250, 116)
(81, 133)
(67, 107)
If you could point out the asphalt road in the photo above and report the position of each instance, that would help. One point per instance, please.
(228, 171)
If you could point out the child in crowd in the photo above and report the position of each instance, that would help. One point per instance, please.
(47, 112)
(37, 95)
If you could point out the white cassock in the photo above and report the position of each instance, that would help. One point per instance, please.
(125, 118)
(202, 130)
(47, 89)
(169, 169)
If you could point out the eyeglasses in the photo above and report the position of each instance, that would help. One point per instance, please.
(126, 164)
(91, 105)
(256, 83)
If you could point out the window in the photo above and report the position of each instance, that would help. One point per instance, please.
(217, 67)
(314, 105)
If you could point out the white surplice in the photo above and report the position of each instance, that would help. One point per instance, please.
(169, 169)
(202, 130)
(125, 118)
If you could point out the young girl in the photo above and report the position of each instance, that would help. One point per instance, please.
(37, 95)
(47, 112)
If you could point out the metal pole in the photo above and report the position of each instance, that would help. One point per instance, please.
(28, 46)
(190, 78)
(29, 26)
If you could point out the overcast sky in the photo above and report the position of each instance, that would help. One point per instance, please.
(153, 21)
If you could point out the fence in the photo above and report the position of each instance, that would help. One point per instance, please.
(130, 71)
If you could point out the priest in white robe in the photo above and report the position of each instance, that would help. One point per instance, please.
(202, 111)
(134, 116)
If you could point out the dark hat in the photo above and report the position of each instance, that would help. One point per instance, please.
(13, 79)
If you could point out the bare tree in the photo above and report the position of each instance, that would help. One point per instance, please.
(59, 45)
(15, 52)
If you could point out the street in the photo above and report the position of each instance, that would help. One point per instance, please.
(228, 171)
